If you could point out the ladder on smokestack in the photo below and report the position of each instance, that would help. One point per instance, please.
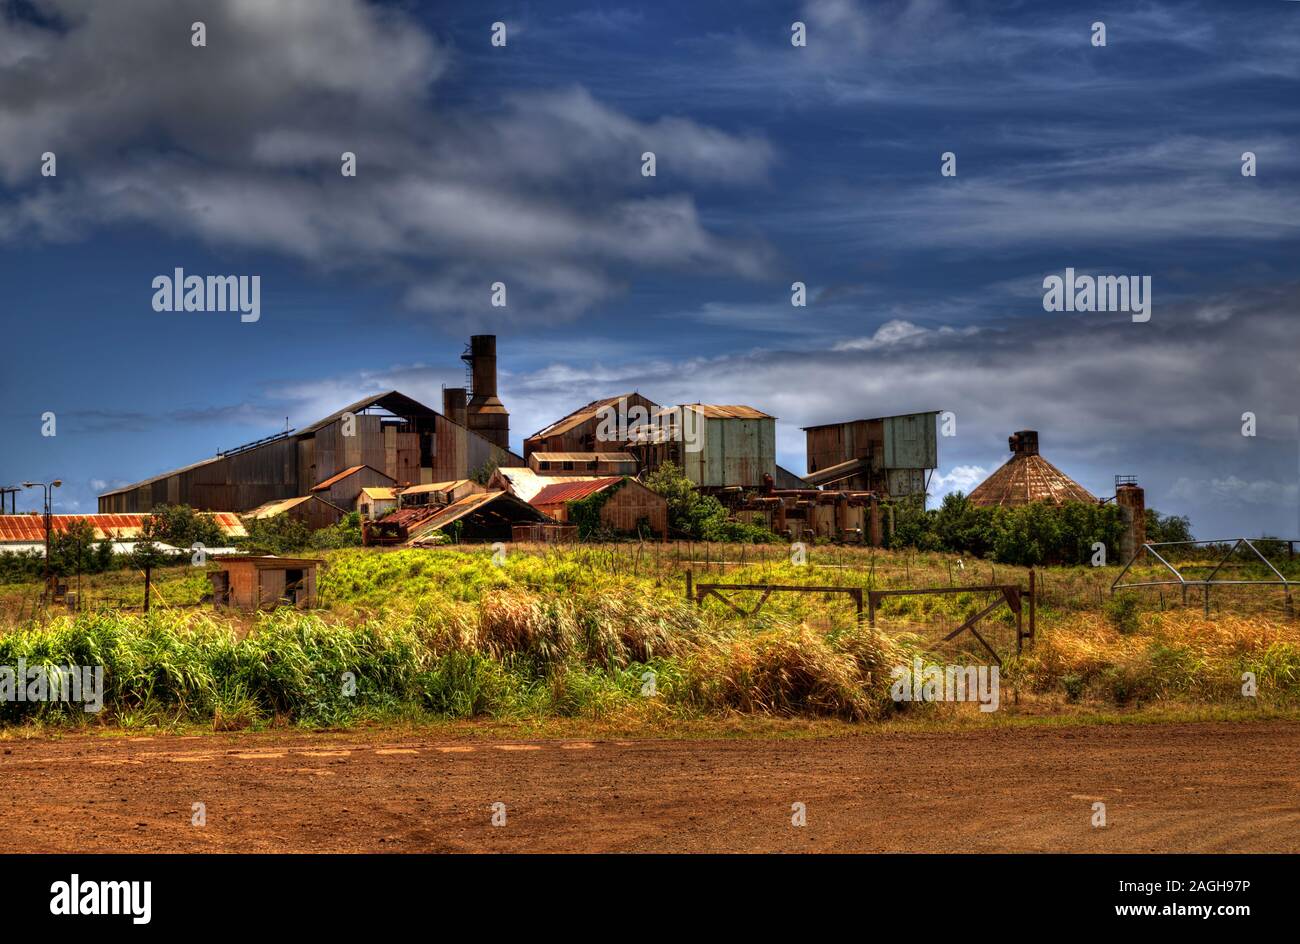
(468, 358)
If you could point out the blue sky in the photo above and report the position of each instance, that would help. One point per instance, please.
(522, 164)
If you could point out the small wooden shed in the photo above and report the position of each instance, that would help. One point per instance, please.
(375, 501)
(251, 582)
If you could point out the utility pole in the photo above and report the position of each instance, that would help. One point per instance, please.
(48, 488)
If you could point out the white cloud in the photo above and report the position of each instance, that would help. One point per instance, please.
(961, 478)
(898, 333)
(239, 144)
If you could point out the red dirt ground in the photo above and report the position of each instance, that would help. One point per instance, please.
(1167, 788)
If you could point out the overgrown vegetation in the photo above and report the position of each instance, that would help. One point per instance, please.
(72, 552)
(700, 517)
(283, 534)
(75, 550)
(1161, 528)
(1026, 535)
(181, 526)
(278, 534)
(585, 513)
(606, 633)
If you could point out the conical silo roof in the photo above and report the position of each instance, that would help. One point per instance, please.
(1028, 477)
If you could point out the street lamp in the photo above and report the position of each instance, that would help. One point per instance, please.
(48, 488)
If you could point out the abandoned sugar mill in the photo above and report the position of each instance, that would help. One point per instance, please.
(417, 475)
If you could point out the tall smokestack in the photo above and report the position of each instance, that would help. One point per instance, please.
(486, 414)
(453, 404)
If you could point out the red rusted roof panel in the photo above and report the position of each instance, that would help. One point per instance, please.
(337, 478)
(32, 527)
(563, 492)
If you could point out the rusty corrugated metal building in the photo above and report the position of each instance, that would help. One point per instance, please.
(718, 446)
(312, 510)
(893, 456)
(482, 516)
(630, 508)
(590, 429)
(398, 436)
(343, 489)
(583, 463)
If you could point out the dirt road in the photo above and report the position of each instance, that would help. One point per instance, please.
(1181, 788)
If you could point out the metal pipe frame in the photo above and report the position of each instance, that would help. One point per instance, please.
(1210, 580)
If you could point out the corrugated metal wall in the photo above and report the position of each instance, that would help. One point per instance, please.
(290, 467)
(732, 452)
(900, 449)
(910, 442)
(632, 503)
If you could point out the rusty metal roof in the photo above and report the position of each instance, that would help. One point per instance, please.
(270, 561)
(279, 506)
(15, 528)
(333, 479)
(158, 478)
(525, 483)
(727, 411)
(395, 402)
(1029, 478)
(510, 506)
(562, 492)
(434, 487)
(581, 415)
(873, 419)
(405, 517)
(584, 457)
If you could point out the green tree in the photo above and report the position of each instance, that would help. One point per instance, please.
(104, 559)
(181, 526)
(344, 533)
(1161, 528)
(72, 551)
(279, 534)
(147, 555)
(963, 527)
(483, 474)
(913, 526)
(696, 516)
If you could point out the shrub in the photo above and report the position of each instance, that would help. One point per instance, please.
(1024, 535)
(1122, 613)
(182, 526)
(344, 533)
(700, 517)
(279, 534)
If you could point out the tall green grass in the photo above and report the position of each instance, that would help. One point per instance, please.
(448, 634)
